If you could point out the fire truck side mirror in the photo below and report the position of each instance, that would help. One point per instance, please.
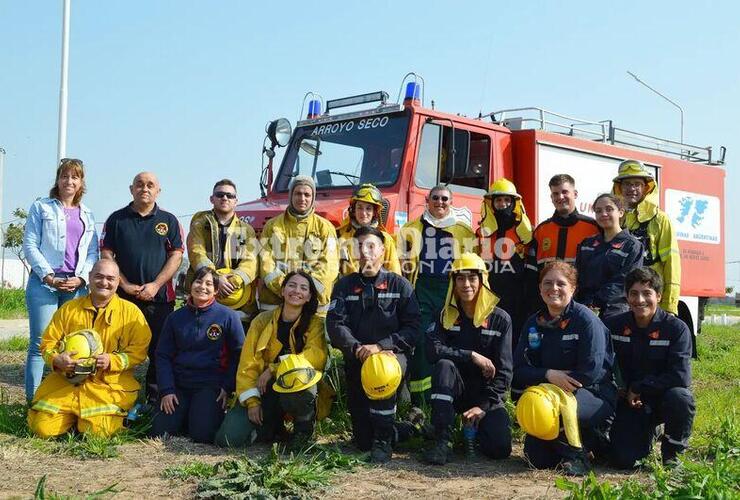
(278, 131)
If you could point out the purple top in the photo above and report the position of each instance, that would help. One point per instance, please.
(75, 229)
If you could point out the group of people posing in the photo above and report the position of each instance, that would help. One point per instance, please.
(575, 319)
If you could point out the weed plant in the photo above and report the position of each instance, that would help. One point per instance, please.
(273, 476)
(42, 494)
(12, 303)
(190, 470)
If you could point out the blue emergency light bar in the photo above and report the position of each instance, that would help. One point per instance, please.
(357, 99)
(314, 108)
(412, 91)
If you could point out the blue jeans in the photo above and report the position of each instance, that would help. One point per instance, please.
(42, 302)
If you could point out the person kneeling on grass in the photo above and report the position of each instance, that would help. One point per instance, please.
(197, 357)
(373, 315)
(470, 347)
(653, 352)
(286, 345)
(92, 383)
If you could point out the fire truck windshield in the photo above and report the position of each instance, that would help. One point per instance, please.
(347, 153)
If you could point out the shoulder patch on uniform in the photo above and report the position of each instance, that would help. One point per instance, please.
(214, 332)
(546, 244)
(161, 228)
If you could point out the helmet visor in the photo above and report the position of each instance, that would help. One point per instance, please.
(296, 377)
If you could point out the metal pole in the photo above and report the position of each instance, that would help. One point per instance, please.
(62, 142)
(680, 109)
(2, 231)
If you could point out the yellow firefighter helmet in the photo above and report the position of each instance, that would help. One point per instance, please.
(295, 374)
(380, 375)
(540, 409)
(241, 293)
(82, 346)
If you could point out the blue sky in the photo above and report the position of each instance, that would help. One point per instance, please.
(185, 88)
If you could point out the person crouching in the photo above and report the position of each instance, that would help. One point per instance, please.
(470, 347)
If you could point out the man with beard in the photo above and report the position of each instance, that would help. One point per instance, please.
(298, 239)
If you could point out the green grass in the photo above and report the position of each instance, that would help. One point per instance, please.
(275, 476)
(727, 309)
(12, 303)
(14, 344)
(182, 472)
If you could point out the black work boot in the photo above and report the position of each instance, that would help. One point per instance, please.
(441, 451)
(381, 451)
(577, 466)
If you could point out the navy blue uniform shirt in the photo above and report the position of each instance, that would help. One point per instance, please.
(602, 267)
(579, 344)
(199, 347)
(382, 311)
(492, 340)
(652, 359)
(141, 245)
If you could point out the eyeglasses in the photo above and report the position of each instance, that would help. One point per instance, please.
(224, 194)
(437, 197)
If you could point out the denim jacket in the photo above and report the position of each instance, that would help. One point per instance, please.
(44, 241)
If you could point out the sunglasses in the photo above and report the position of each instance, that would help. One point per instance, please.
(64, 161)
(437, 197)
(224, 194)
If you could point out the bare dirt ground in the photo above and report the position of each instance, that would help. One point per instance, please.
(138, 468)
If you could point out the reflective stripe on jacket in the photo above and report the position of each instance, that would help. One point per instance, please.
(125, 335)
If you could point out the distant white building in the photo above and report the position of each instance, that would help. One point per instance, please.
(13, 273)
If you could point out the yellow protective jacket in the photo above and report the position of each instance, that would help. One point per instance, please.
(410, 238)
(348, 261)
(125, 335)
(262, 347)
(239, 253)
(653, 228)
(289, 244)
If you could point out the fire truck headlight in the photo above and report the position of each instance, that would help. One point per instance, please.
(279, 132)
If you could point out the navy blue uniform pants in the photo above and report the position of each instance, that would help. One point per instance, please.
(635, 429)
(371, 419)
(155, 313)
(451, 395)
(595, 412)
(198, 415)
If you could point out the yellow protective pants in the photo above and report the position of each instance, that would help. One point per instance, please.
(47, 425)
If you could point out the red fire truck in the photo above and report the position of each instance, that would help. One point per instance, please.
(405, 148)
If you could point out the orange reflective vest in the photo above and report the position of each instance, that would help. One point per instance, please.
(558, 238)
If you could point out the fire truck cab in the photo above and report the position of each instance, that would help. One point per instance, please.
(405, 148)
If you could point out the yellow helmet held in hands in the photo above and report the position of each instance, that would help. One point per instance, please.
(295, 374)
(503, 187)
(241, 293)
(540, 409)
(381, 375)
(85, 344)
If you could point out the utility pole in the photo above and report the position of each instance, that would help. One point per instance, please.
(2, 230)
(62, 140)
(680, 109)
